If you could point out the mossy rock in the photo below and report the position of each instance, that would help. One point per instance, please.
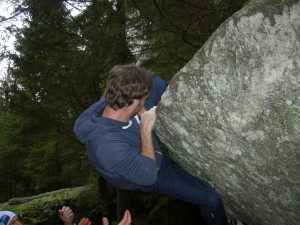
(42, 209)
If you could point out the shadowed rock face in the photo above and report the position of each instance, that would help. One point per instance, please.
(231, 116)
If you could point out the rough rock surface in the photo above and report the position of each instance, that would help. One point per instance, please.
(231, 116)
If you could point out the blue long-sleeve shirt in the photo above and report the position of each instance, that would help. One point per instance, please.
(113, 148)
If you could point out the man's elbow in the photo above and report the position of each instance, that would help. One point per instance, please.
(149, 178)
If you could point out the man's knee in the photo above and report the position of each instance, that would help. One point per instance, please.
(159, 85)
(213, 198)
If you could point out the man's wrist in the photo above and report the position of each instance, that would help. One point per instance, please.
(146, 130)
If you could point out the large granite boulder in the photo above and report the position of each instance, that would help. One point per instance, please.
(231, 116)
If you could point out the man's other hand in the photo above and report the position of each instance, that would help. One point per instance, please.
(84, 221)
(125, 221)
(66, 215)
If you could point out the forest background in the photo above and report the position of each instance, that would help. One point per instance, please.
(59, 68)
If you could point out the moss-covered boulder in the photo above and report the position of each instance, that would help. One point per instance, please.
(146, 208)
(42, 209)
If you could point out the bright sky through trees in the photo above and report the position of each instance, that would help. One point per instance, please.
(8, 18)
(7, 39)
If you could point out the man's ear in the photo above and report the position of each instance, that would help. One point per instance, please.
(135, 102)
(141, 111)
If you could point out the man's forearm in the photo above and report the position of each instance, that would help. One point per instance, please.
(146, 126)
(147, 148)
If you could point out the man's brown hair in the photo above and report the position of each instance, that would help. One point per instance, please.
(125, 83)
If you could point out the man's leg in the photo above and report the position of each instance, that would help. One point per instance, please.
(178, 184)
(159, 85)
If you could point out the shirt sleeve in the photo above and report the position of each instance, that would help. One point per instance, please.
(86, 114)
(82, 124)
(119, 157)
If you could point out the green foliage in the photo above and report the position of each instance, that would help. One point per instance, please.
(39, 107)
(246, 3)
(12, 155)
(174, 30)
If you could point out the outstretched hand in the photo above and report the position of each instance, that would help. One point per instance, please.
(66, 215)
(125, 221)
(84, 221)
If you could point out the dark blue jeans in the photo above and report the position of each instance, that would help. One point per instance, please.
(159, 85)
(178, 184)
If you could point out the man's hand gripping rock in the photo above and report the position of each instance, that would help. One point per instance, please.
(146, 126)
(148, 119)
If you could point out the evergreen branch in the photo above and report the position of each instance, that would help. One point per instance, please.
(163, 16)
(3, 19)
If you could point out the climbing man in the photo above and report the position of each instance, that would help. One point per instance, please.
(121, 144)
